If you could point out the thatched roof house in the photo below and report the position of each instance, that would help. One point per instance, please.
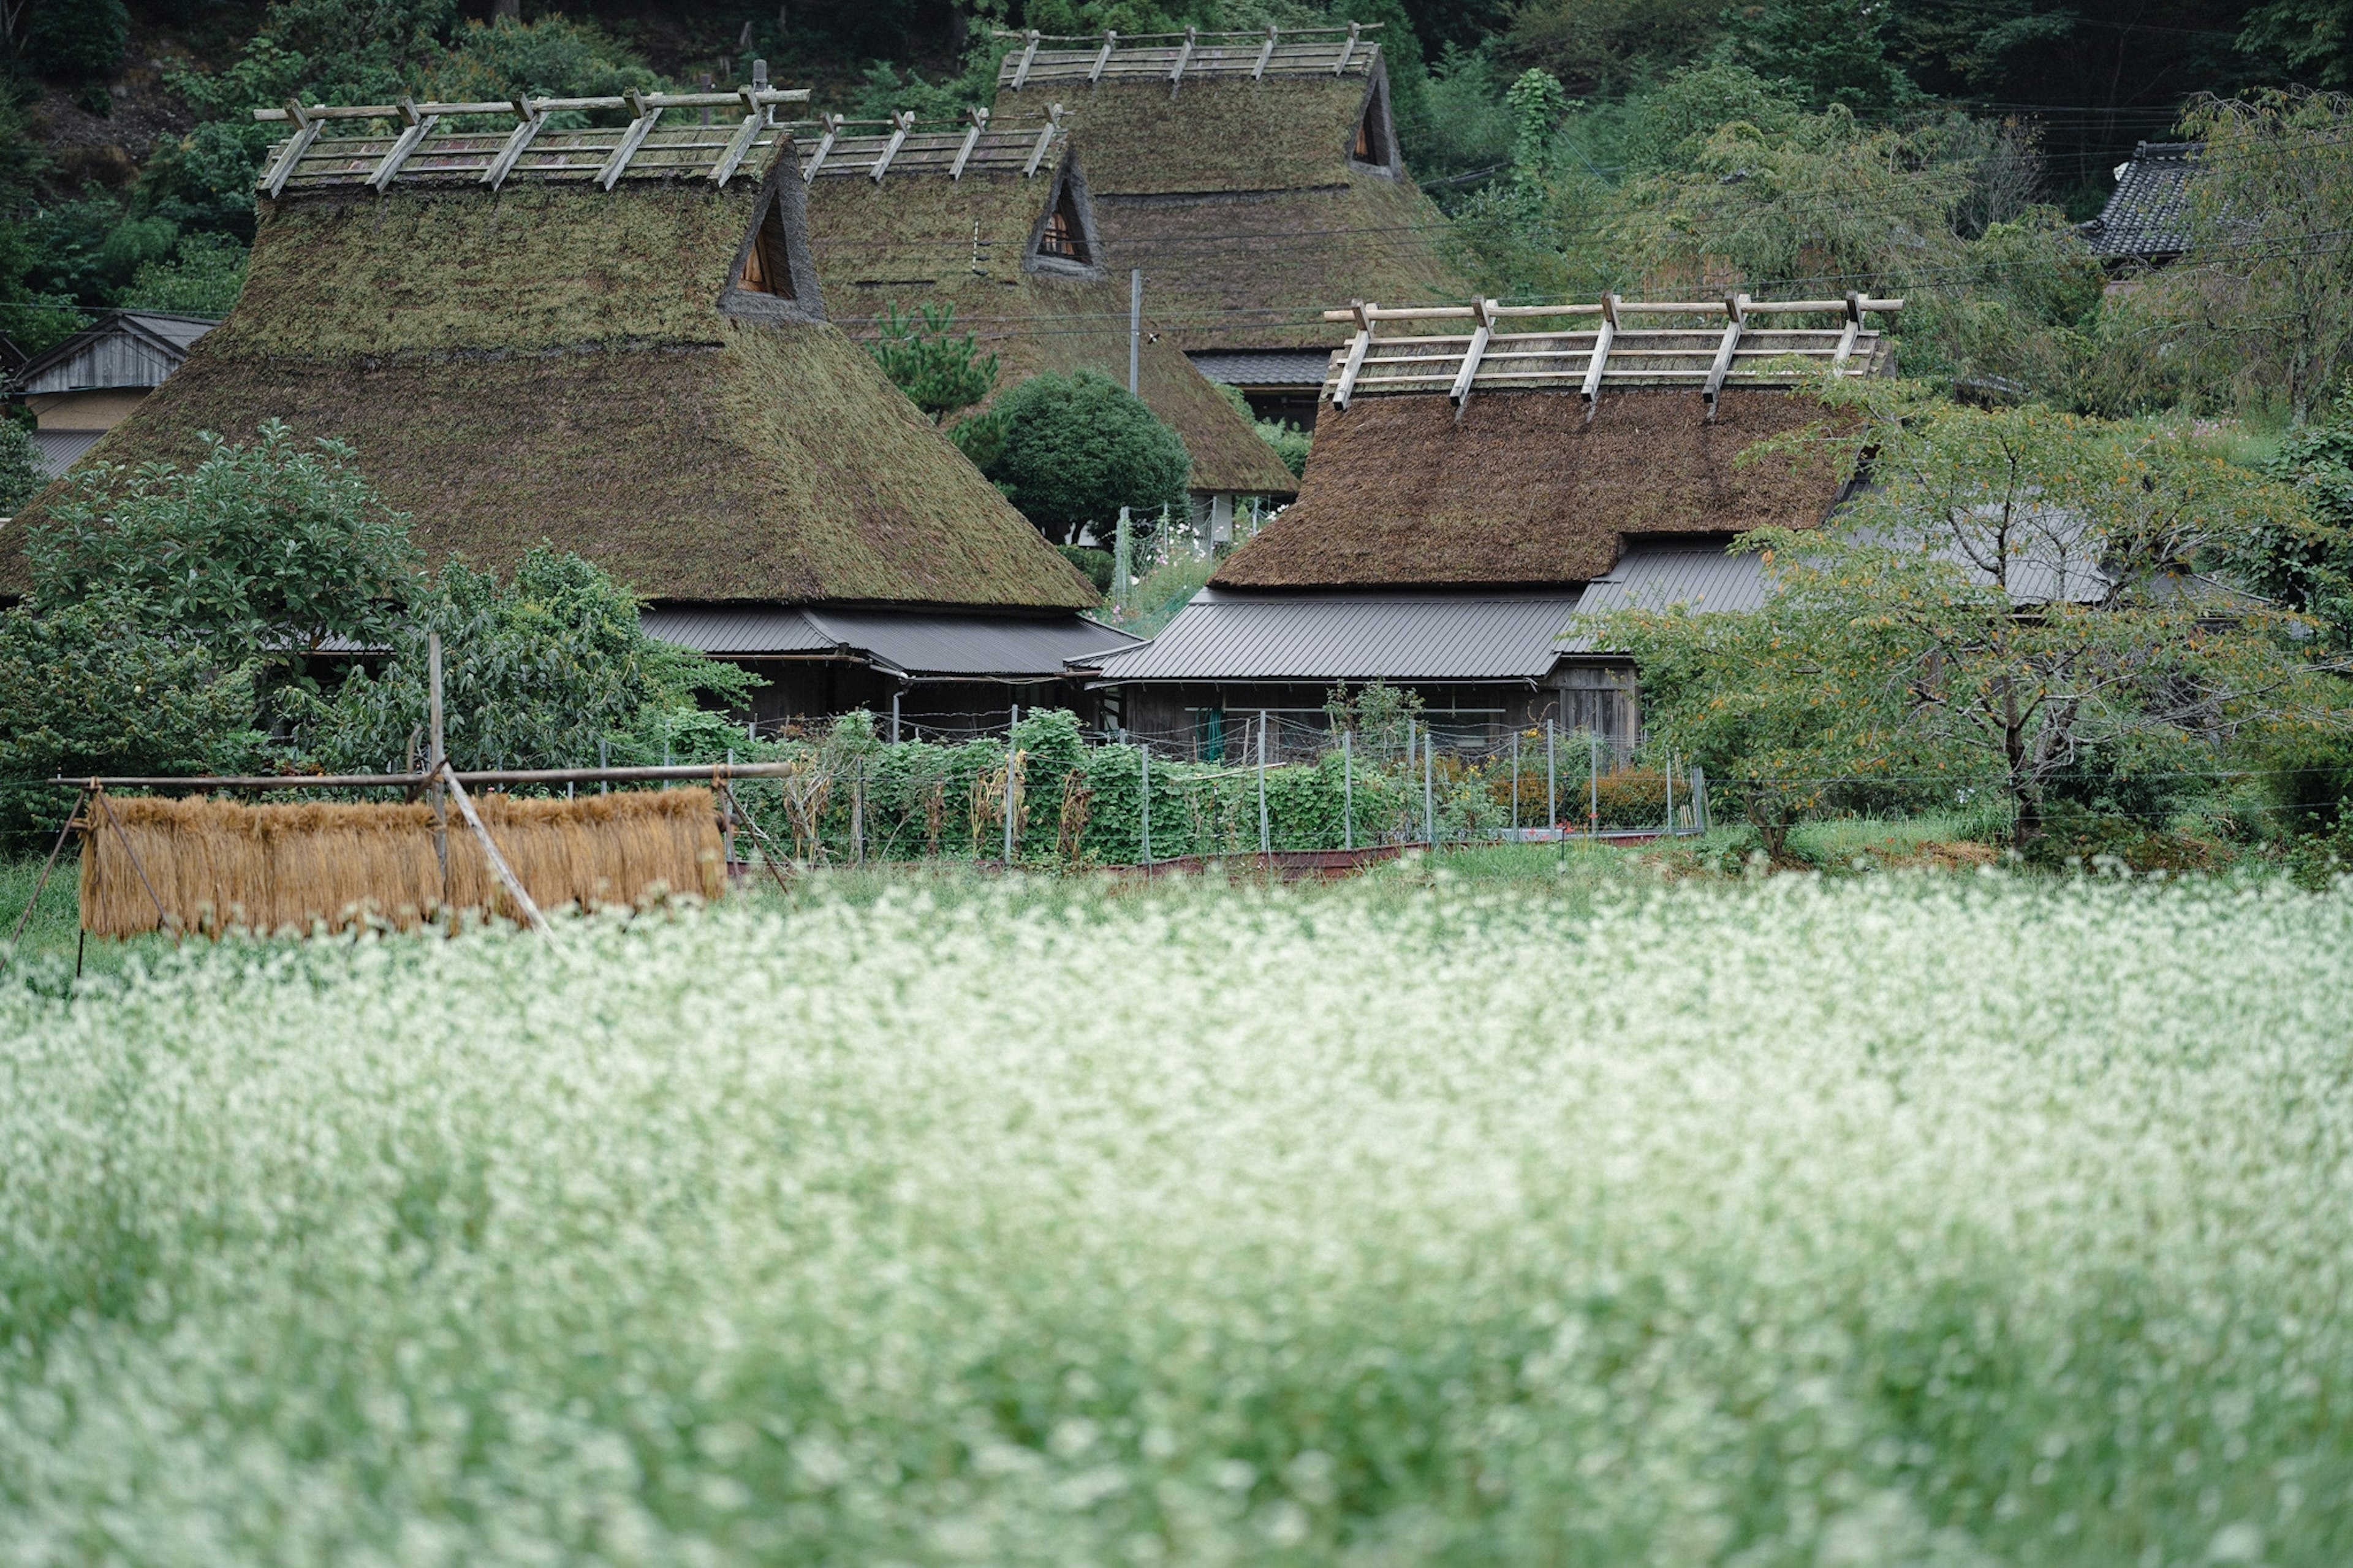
(614, 340)
(1474, 487)
(1254, 177)
(995, 219)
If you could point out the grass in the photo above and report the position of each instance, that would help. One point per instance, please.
(1495, 1207)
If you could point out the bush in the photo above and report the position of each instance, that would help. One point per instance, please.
(78, 42)
(1078, 448)
(23, 474)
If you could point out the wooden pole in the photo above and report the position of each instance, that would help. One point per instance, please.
(1429, 791)
(1134, 328)
(1009, 796)
(498, 862)
(1265, 839)
(41, 883)
(1671, 794)
(726, 814)
(1593, 740)
(1516, 783)
(437, 759)
(164, 920)
(1552, 781)
(1347, 789)
(1146, 752)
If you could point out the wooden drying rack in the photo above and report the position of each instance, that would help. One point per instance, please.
(1606, 355)
(899, 143)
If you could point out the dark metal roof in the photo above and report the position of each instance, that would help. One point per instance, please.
(2147, 214)
(130, 348)
(1227, 634)
(61, 449)
(919, 645)
(1263, 367)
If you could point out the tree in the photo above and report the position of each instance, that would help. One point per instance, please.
(23, 474)
(536, 670)
(1078, 448)
(2305, 562)
(1834, 52)
(89, 689)
(2315, 35)
(262, 552)
(2019, 590)
(2261, 305)
(940, 374)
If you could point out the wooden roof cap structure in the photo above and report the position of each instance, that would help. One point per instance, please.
(836, 147)
(1174, 58)
(422, 143)
(1609, 353)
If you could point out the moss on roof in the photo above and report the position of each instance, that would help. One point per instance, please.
(1524, 492)
(919, 238)
(553, 364)
(1242, 204)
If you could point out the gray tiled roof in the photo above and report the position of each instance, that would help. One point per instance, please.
(2147, 215)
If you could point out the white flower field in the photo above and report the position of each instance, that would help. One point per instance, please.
(1902, 1220)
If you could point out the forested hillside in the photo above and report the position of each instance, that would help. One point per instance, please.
(1941, 148)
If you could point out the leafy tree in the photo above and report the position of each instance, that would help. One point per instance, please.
(939, 373)
(536, 671)
(1926, 637)
(203, 277)
(78, 44)
(90, 689)
(1078, 448)
(2261, 303)
(1289, 441)
(2314, 36)
(261, 552)
(2305, 561)
(23, 474)
(1833, 51)
(1608, 45)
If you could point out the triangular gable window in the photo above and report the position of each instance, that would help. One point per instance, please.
(1374, 144)
(769, 265)
(1064, 237)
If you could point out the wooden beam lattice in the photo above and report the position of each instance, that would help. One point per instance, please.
(1173, 57)
(739, 147)
(388, 169)
(1484, 357)
(631, 139)
(527, 127)
(1045, 140)
(536, 107)
(891, 148)
(971, 140)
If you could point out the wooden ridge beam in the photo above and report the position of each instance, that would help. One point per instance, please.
(1028, 55)
(1176, 71)
(891, 148)
(1045, 140)
(1736, 309)
(971, 140)
(1598, 365)
(631, 139)
(301, 113)
(739, 147)
(306, 132)
(518, 142)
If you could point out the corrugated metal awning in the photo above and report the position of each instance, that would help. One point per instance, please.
(61, 449)
(1225, 635)
(920, 645)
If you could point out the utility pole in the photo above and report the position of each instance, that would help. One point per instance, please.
(1122, 557)
(1134, 328)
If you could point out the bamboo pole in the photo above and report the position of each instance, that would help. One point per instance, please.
(436, 760)
(512, 883)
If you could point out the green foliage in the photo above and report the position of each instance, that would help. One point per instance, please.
(203, 277)
(1289, 441)
(536, 670)
(1096, 563)
(1611, 45)
(553, 55)
(91, 688)
(940, 372)
(22, 473)
(1538, 103)
(1078, 448)
(1918, 642)
(1166, 587)
(1832, 51)
(78, 43)
(262, 551)
(2305, 561)
(2258, 310)
(1469, 124)
(2314, 36)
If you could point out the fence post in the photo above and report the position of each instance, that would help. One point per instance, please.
(1671, 794)
(1265, 842)
(1515, 783)
(604, 759)
(1429, 792)
(726, 818)
(1347, 790)
(858, 813)
(1146, 749)
(1552, 781)
(1699, 798)
(1593, 738)
(437, 757)
(1008, 795)
(894, 718)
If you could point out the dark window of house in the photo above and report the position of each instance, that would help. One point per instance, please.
(768, 267)
(1372, 134)
(1062, 236)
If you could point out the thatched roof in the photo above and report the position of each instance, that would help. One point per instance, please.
(1244, 199)
(555, 360)
(1524, 493)
(977, 241)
